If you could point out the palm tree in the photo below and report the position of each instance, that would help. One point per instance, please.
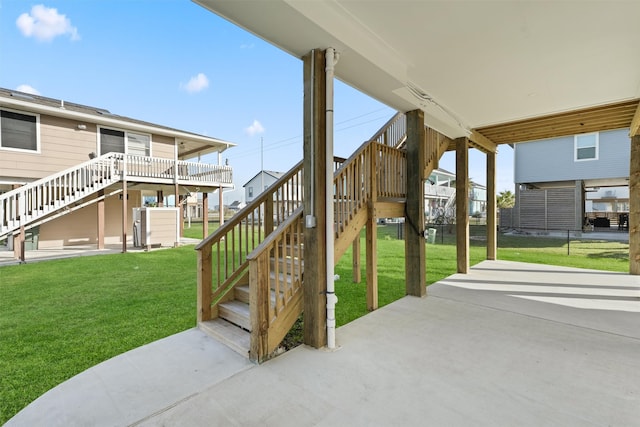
(506, 199)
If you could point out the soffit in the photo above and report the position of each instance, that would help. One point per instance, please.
(467, 64)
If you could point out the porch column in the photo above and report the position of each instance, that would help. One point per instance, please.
(125, 217)
(100, 218)
(160, 198)
(18, 239)
(634, 207)
(492, 231)
(221, 207)
(180, 207)
(315, 276)
(414, 243)
(205, 214)
(462, 204)
(372, 238)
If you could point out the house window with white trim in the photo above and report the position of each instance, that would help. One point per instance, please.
(19, 131)
(118, 141)
(586, 147)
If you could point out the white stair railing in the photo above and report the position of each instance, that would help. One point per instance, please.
(37, 199)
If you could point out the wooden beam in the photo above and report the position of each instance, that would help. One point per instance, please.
(125, 215)
(415, 263)
(634, 207)
(462, 204)
(314, 149)
(356, 254)
(372, 258)
(634, 129)
(100, 218)
(482, 143)
(205, 214)
(492, 231)
(605, 117)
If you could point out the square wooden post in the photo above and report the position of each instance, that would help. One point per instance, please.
(205, 214)
(414, 243)
(462, 204)
(315, 274)
(634, 207)
(372, 233)
(492, 230)
(357, 275)
(100, 219)
(125, 215)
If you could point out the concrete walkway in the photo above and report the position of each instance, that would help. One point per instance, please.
(508, 344)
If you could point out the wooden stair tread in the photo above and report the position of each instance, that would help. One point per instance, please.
(236, 312)
(229, 334)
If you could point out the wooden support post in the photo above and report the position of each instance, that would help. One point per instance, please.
(205, 272)
(100, 218)
(634, 207)
(205, 214)
(462, 204)
(125, 215)
(414, 243)
(315, 274)
(372, 256)
(180, 206)
(220, 207)
(160, 198)
(357, 275)
(492, 229)
(19, 245)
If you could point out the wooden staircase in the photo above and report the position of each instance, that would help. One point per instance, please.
(250, 271)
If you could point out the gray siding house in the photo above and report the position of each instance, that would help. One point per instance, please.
(556, 179)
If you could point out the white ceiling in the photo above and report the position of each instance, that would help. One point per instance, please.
(476, 63)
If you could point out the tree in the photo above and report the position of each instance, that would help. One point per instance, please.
(506, 199)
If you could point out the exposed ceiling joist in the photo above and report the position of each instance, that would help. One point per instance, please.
(482, 143)
(594, 119)
(634, 129)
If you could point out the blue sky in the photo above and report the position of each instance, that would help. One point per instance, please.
(173, 63)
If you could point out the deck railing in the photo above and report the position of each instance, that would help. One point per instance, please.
(393, 133)
(276, 294)
(29, 203)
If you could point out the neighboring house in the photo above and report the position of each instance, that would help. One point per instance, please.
(256, 185)
(440, 197)
(236, 206)
(72, 174)
(568, 182)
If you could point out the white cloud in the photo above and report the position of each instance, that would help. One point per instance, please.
(247, 46)
(45, 24)
(196, 84)
(255, 128)
(27, 89)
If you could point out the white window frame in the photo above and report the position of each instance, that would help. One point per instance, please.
(126, 139)
(575, 147)
(22, 150)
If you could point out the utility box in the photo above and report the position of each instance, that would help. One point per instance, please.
(156, 227)
(431, 236)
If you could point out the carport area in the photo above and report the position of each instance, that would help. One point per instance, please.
(507, 344)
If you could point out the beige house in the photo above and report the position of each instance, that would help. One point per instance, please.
(72, 174)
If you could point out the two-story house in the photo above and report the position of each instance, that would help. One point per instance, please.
(565, 183)
(72, 174)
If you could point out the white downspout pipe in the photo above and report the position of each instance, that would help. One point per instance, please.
(331, 57)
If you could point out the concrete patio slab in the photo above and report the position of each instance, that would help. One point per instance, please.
(468, 354)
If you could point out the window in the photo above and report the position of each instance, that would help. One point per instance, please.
(250, 190)
(113, 141)
(586, 147)
(19, 131)
(138, 144)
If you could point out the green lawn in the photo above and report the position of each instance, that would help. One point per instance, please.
(58, 318)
